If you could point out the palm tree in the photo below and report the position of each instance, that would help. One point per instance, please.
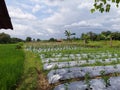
(68, 34)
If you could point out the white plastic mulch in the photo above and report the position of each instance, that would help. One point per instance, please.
(77, 72)
(52, 65)
(95, 84)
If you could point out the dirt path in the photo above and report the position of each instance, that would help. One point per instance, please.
(42, 81)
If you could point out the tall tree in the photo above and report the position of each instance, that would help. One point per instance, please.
(38, 40)
(68, 34)
(85, 38)
(5, 38)
(28, 39)
(92, 35)
(52, 39)
(108, 35)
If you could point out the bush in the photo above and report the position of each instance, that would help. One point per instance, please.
(19, 45)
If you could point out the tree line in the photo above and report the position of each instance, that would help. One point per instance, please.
(105, 35)
(6, 39)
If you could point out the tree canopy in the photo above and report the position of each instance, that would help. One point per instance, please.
(6, 38)
(104, 5)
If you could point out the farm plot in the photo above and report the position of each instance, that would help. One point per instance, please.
(11, 66)
(64, 65)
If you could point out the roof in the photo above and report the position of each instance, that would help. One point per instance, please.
(5, 21)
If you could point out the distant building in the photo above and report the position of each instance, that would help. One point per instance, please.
(5, 21)
(59, 40)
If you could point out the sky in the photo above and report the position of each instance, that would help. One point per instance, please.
(46, 19)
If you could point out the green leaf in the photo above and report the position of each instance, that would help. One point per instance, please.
(117, 1)
(104, 1)
(92, 10)
(102, 10)
(117, 5)
(113, 1)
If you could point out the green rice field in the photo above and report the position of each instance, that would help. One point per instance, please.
(11, 66)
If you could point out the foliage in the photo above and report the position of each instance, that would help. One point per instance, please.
(52, 39)
(16, 40)
(105, 78)
(104, 5)
(5, 39)
(38, 40)
(92, 36)
(19, 45)
(28, 39)
(66, 86)
(87, 80)
(105, 35)
(85, 37)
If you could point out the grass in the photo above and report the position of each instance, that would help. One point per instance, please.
(29, 78)
(11, 66)
(34, 78)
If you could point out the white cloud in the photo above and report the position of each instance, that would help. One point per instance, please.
(20, 14)
(83, 24)
(50, 30)
(52, 2)
(116, 27)
(85, 5)
(115, 20)
(49, 11)
(36, 8)
(25, 6)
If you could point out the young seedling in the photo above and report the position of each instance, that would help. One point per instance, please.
(103, 60)
(77, 63)
(118, 60)
(49, 61)
(87, 81)
(55, 72)
(68, 64)
(56, 66)
(105, 78)
(87, 60)
(66, 86)
(69, 71)
(114, 64)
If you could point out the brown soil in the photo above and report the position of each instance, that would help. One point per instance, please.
(43, 82)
